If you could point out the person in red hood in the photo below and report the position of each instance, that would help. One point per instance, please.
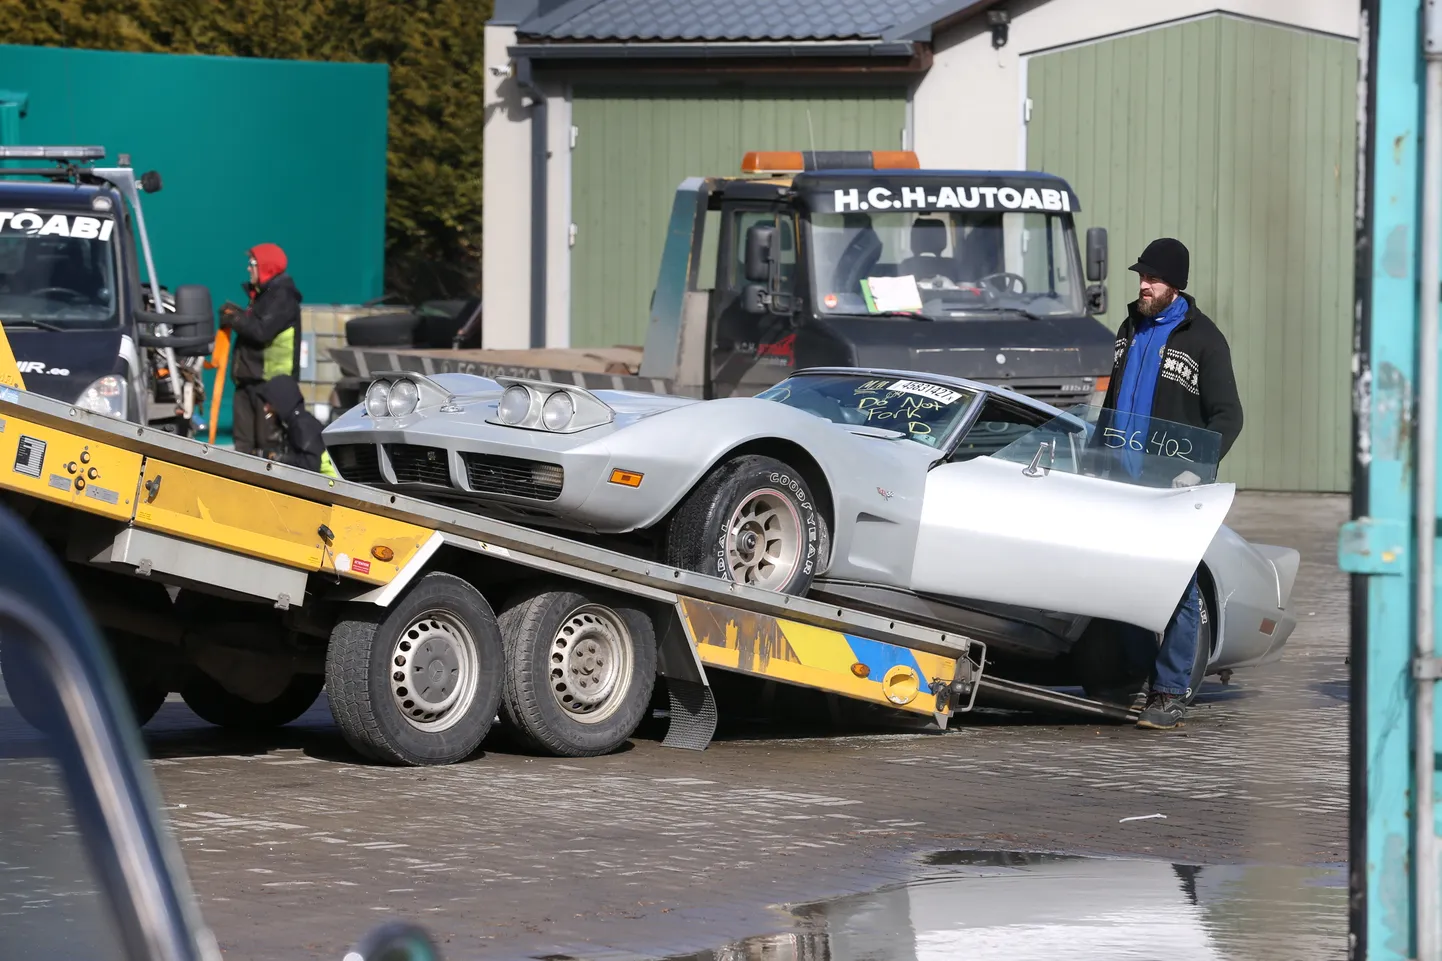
(266, 344)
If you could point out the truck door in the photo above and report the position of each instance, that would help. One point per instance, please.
(749, 352)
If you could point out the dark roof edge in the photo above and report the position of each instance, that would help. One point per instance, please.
(919, 27)
(627, 50)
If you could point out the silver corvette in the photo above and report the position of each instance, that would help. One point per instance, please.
(941, 500)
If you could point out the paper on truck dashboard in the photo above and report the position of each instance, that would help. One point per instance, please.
(886, 294)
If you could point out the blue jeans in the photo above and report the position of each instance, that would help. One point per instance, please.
(1170, 668)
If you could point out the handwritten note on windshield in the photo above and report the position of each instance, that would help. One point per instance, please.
(886, 294)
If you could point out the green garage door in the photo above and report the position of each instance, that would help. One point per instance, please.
(633, 147)
(1239, 139)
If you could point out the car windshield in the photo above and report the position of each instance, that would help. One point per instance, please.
(945, 265)
(1128, 448)
(921, 411)
(57, 271)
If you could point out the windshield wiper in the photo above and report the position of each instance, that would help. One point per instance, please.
(38, 324)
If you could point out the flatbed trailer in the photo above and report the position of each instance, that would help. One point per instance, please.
(246, 585)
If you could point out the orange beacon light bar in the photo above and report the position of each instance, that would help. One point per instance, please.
(797, 161)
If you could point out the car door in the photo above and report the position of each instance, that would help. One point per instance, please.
(1045, 536)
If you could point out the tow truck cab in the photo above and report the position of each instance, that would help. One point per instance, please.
(83, 326)
(860, 258)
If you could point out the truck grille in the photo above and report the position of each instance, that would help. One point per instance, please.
(360, 463)
(413, 464)
(514, 476)
(1050, 392)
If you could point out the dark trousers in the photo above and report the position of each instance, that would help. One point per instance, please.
(251, 430)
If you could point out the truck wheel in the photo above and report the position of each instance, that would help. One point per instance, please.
(207, 698)
(754, 521)
(145, 700)
(419, 683)
(579, 671)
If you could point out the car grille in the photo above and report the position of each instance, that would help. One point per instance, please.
(360, 463)
(413, 464)
(514, 476)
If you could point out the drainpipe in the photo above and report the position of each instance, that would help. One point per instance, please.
(1425, 670)
(539, 145)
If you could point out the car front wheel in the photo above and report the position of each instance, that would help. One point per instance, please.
(754, 521)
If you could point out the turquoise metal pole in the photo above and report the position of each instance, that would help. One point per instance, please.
(1379, 543)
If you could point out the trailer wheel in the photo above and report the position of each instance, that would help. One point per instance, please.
(212, 702)
(753, 521)
(579, 671)
(145, 700)
(419, 683)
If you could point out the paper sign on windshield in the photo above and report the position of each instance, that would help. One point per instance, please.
(886, 294)
(934, 391)
(56, 225)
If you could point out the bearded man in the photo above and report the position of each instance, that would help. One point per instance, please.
(1171, 363)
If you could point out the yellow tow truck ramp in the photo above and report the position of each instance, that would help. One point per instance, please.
(246, 584)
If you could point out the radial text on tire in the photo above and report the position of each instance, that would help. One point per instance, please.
(580, 669)
(418, 683)
(753, 520)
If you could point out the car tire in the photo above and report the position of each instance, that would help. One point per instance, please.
(382, 330)
(445, 620)
(213, 703)
(1099, 657)
(726, 522)
(580, 670)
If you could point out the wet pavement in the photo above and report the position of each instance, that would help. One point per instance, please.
(821, 843)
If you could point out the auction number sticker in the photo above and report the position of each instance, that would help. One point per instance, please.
(935, 392)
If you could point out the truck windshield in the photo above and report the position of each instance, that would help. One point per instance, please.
(945, 265)
(57, 271)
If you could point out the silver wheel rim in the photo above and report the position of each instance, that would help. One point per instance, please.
(434, 665)
(592, 661)
(763, 540)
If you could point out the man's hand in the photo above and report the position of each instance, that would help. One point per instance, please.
(228, 311)
(1186, 479)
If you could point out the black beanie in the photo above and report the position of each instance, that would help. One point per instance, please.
(1167, 259)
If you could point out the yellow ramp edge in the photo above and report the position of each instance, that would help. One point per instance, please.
(57, 466)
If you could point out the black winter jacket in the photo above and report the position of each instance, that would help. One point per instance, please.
(274, 312)
(300, 430)
(1196, 385)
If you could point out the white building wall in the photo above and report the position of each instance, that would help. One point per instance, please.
(506, 231)
(969, 106)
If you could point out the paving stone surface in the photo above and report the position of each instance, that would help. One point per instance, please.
(296, 847)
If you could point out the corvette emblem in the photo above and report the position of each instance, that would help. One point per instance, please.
(884, 492)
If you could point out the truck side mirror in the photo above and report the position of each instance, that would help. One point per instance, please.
(1096, 254)
(753, 299)
(759, 241)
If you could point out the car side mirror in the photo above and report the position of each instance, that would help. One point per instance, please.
(1096, 254)
(395, 941)
(759, 241)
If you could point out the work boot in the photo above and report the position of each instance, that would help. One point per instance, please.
(1163, 712)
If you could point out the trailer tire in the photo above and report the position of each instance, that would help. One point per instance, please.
(724, 521)
(444, 619)
(558, 644)
(145, 700)
(211, 702)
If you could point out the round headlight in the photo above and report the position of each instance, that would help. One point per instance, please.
(515, 404)
(558, 410)
(377, 398)
(404, 396)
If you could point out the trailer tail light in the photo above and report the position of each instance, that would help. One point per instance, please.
(796, 161)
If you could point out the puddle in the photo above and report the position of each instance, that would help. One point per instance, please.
(981, 905)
